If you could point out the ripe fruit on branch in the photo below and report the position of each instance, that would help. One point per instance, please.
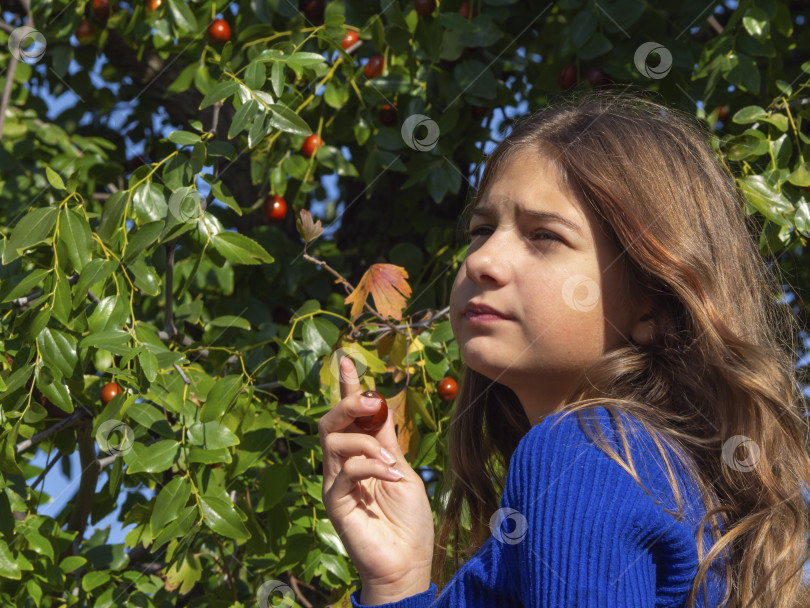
(85, 32)
(311, 145)
(448, 389)
(219, 32)
(568, 77)
(153, 5)
(374, 422)
(388, 115)
(275, 208)
(101, 9)
(424, 7)
(722, 113)
(464, 11)
(314, 11)
(374, 67)
(109, 391)
(349, 39)
(597, 77)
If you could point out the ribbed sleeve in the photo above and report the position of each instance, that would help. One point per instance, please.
(575, 529)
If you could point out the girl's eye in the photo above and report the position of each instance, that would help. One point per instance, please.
(540, 235)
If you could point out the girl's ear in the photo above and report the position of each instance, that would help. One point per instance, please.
(643, 331)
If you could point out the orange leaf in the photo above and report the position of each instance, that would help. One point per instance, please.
(408, 436)
(387, 285)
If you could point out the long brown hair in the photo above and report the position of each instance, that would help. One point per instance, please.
(721, 364)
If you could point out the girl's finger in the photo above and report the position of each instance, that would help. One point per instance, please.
(355, 470)
(349, 382)
(340, 447)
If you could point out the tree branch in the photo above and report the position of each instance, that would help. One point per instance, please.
(83, 501)
(78, 417)
(12, 67)
(168, 313)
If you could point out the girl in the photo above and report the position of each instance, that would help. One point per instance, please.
(611, 274)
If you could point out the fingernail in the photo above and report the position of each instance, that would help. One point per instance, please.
(396, 473)
(387, 456)
(369, 401)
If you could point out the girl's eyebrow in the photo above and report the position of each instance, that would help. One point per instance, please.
(487, 211)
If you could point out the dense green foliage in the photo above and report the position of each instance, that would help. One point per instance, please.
(222, 327)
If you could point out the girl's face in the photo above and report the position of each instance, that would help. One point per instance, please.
(539, 258)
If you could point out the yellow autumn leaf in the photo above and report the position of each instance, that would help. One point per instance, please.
(387, 285)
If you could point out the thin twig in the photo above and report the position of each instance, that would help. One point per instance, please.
(168, 324)
(182, 374)
(26, 300)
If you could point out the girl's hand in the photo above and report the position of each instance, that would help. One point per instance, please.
(386, 525)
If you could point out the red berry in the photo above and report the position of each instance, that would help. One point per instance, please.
(219, 31)
(597, 77)
(464, 11)
(388, 115)
(568, 77)
(722, 113)
(275, 208)
(314, 11)
(375, 422)
(101, 9)
(479, 112)
(448, 389)
(109, 391)
(350, 39)
(424, 7)
(153, 5)
(311, 145)
(85, 32)
(374, 66)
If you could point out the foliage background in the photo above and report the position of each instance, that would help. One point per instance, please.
(145, 259)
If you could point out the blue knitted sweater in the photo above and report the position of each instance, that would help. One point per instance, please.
(574, 529)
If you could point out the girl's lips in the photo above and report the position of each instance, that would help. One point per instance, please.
(482, 317)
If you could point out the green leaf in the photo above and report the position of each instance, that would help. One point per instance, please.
(744, 74)
(34, 228)
(255, 75)
(112, 217)
(756, 23)
(748, 114)
(74, 232)
(54, 178)
(153, 458)
(149, 364)
(211, 435)
(182, 16)
(57, 393)
(143, 237)
(8, 565)
(277, 77)
(336, 565)
(223, 194)
(220, 397)
(116, 341)
(582, 27)
(184, 138)
(242, 117)
(149, 202)
(285, 119)
(171, 499)
(218, 92)
(230, 321)
(800, 176)
(72, 563)
(221, 517)
(335, 95)
(239, 249)
(765, 199)
(16, 287)
(58, 351)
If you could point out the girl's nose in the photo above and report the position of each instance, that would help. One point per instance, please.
(489, 261)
